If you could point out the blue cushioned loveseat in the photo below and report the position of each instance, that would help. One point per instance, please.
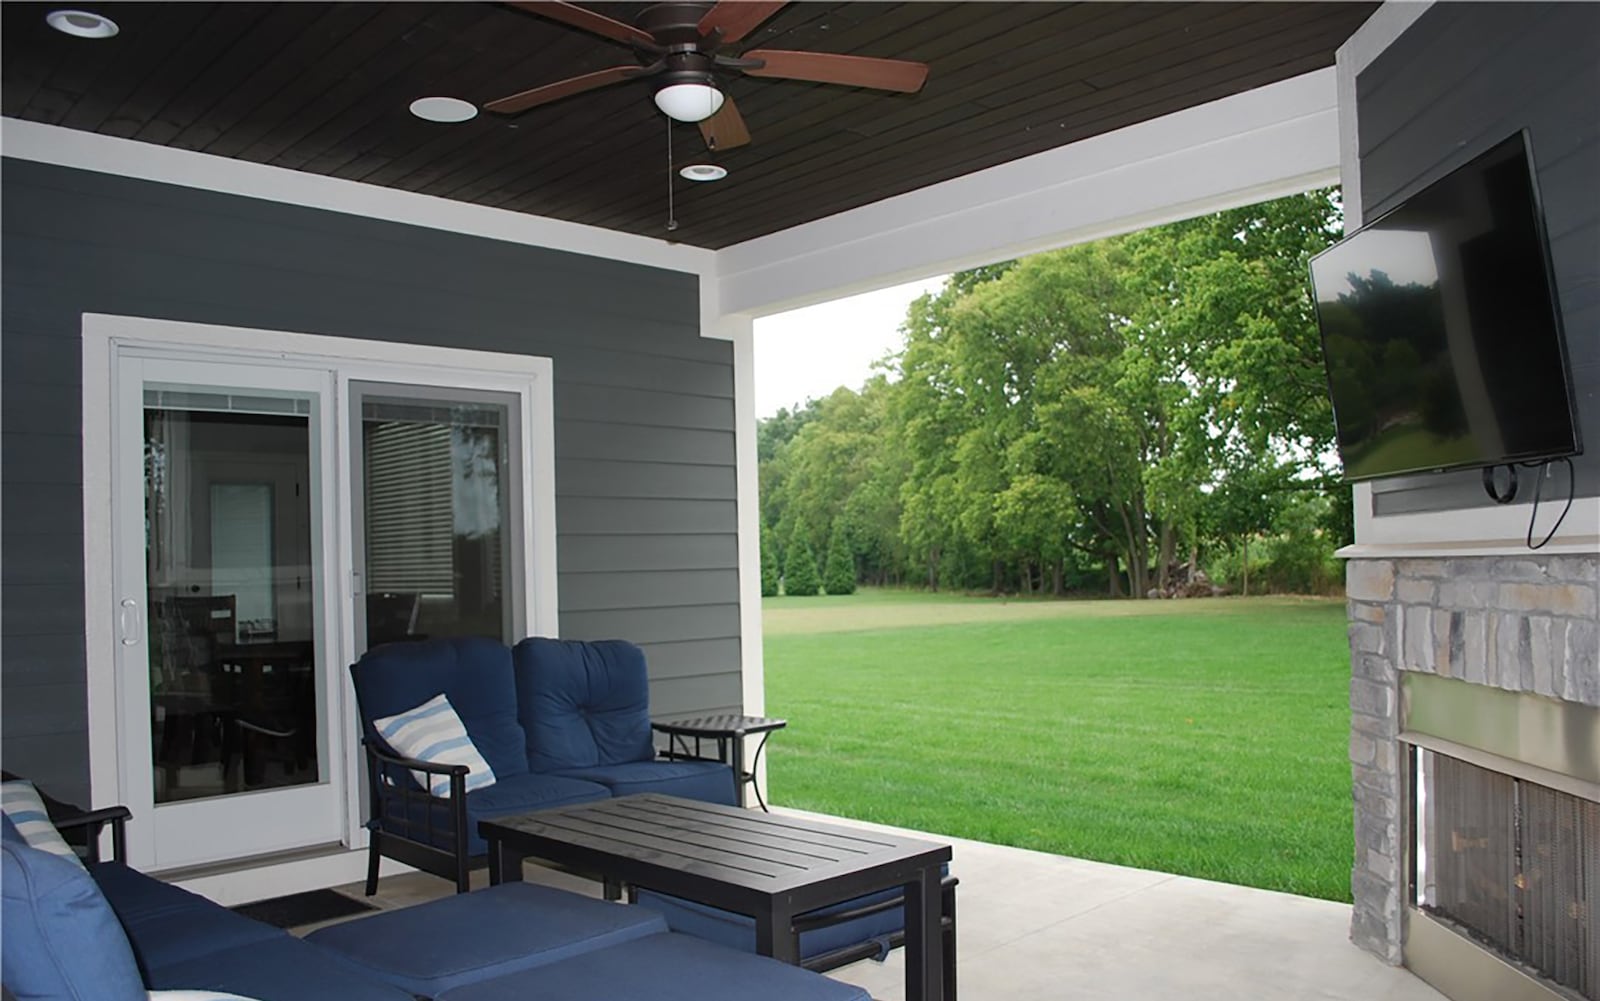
(557, 721)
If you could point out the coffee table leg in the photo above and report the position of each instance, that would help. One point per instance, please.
(775, 937)
(738, 771)
(505, 865)
(924, 939)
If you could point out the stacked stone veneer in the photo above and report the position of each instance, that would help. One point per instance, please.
(1525, 623)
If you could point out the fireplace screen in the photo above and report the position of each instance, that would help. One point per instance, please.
(1514, 864)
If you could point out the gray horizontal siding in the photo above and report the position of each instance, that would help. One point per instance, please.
(595, 592)
(37, 660)
(621, 554)
(646, 536)
(645, 625)
(692, 658)
(632, 516)
(618, 478)
(635, 406)
(1463, 77)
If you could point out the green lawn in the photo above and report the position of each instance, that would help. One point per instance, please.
(1201, 737)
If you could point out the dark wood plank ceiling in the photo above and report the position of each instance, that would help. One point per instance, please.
(325, 88)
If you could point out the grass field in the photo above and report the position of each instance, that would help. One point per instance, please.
(1202, 737)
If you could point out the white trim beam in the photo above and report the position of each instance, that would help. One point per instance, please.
(167, 165)
(1265, 143)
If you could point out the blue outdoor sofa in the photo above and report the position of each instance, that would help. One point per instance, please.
(104, 932)
(558, 722)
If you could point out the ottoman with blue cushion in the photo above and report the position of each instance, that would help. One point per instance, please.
(823, 945)
(430, 948)
(585, 707)
(663, 967)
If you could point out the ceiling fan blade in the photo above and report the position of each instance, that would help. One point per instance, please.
(726, 128)
(854, 71)
(561, 88)
(737, 18)
(588, 20)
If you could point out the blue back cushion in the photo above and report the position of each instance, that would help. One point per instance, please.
(582, 703)
(473, 672)
(61, 938)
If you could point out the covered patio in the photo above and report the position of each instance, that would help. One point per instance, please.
(174, 203)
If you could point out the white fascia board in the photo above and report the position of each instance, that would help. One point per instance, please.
(146, 161)
(1264, 143)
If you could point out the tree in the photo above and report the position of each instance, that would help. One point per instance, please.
(769, 566)
(839, 569)
(1126, 405)
(800, 569)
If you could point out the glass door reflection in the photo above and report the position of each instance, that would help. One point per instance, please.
(440, 550)
(230, 588)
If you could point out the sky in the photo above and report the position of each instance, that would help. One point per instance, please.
(808, 353)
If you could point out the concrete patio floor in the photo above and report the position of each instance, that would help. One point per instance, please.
(1034, 926)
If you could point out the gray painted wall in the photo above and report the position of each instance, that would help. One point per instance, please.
(1462, 78)
(643, 407)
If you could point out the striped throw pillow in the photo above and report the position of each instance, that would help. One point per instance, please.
(432, 732)
(21, 803)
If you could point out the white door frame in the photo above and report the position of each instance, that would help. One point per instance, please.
(105, 336)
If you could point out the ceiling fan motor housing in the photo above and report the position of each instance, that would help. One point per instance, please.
(674, 24)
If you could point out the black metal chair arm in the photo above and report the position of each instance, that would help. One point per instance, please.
(415, 764)
(95, 818)
(92, 823)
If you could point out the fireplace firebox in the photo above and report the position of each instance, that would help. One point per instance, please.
(1512, 864)
(1502, 842)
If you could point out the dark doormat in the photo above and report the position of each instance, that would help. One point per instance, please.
(304, 908)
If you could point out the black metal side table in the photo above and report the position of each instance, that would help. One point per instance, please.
(729, 731)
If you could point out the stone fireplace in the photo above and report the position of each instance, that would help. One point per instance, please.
(1475, 753)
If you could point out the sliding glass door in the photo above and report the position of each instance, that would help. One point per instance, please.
(224, 626)
(275, 504)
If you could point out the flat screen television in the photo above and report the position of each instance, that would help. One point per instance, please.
(1441, 331)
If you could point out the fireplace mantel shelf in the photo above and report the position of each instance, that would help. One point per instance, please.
(1580, 546)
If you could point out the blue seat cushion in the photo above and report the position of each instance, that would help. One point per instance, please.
(61, 939)
(285, 969)
(518, 794)
(737, 931)
(582, 703)
(166, 924)
(702, 780)
(662, 968)
(472, 671)
(432, 947)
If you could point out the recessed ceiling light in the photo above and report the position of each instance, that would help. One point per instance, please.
(704, 172)
(82, 23)
(444, 109)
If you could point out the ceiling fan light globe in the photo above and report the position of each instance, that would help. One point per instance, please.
(689, 102)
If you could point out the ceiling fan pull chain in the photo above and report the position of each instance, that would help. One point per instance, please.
(672, 219)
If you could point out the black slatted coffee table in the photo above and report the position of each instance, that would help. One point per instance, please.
(768, 866)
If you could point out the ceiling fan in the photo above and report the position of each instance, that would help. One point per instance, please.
(678, 46)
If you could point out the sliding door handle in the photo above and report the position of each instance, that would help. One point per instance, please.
(128, 621)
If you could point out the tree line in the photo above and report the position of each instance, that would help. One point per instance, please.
(1110, 417)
